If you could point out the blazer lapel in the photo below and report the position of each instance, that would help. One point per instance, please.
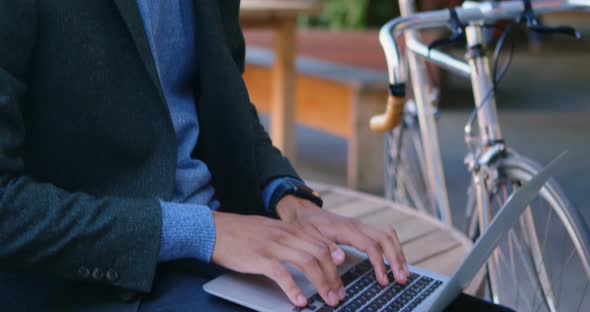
(131, 15)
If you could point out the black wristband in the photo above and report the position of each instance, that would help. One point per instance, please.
(289, 187)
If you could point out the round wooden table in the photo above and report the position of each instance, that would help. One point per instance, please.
(427, 242)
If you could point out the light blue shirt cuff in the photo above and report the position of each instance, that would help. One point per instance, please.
(271, 188)
(188, 231)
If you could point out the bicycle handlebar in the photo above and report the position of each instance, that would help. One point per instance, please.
(393, 116)
(469, 12)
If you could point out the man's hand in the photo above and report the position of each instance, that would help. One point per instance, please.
(376, 241)
(258, 245)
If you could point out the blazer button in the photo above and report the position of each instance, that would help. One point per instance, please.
(97, 274)
(112, 275)
(83, 272)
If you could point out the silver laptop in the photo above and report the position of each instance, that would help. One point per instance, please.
(424, 291)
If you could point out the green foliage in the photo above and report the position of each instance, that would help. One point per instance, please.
(352, 14)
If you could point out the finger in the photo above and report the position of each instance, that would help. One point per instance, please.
(338, 255)
(399, 251)
(276, 272)
(393, 251)
(318, 248)
(309, 265)
(352, 234)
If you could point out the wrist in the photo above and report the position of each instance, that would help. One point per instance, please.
(287, 207)
(297, 191)
(290, 208)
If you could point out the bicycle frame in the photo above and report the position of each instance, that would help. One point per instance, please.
(477, 69)
(489, 144)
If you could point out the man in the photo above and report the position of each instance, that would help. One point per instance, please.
(128, 143)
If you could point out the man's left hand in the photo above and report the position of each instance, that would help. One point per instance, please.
(375, 241)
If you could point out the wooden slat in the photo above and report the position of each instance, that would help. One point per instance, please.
(320, 188)
(386, 216)
(410, 229)
(432, 244)
(334, 199)
(355, 209)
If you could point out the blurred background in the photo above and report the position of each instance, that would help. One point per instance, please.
(340, 79)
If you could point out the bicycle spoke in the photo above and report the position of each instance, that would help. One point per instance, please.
(562, 246)
(569, 258)
(538, 256)
(583, 297)
(530, 275)
(548, 302)
(513, 265)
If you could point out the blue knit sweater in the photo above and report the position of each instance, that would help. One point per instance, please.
(188, 229)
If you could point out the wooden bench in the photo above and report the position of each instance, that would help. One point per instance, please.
(427, 242)
(333, 97)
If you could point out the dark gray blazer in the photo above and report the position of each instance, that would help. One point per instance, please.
(87, 146)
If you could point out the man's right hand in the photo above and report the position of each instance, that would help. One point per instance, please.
(259, 245)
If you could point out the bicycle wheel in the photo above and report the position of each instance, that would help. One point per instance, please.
(405, 173)
(543, 263)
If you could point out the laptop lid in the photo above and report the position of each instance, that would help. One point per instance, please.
(486, 244)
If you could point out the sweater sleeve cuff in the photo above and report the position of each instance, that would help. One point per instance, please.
(271, 188)
(188, 231)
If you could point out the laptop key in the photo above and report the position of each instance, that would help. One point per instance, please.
(413, 276)
(370, 309)
(391, 308)
(361, 268)
(316, 298)
(348, 278)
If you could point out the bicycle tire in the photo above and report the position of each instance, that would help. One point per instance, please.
(405, 175)
(516, 170)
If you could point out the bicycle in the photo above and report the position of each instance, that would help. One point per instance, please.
(414, 174)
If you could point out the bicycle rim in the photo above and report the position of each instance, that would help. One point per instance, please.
(543, 263)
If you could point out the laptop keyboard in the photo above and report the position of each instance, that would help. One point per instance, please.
(363, 293)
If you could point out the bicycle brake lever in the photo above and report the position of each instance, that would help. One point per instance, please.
(528, 16)
(458, 32)
(563, 30)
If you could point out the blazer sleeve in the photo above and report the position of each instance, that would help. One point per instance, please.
(48, 230)
(270, 163)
